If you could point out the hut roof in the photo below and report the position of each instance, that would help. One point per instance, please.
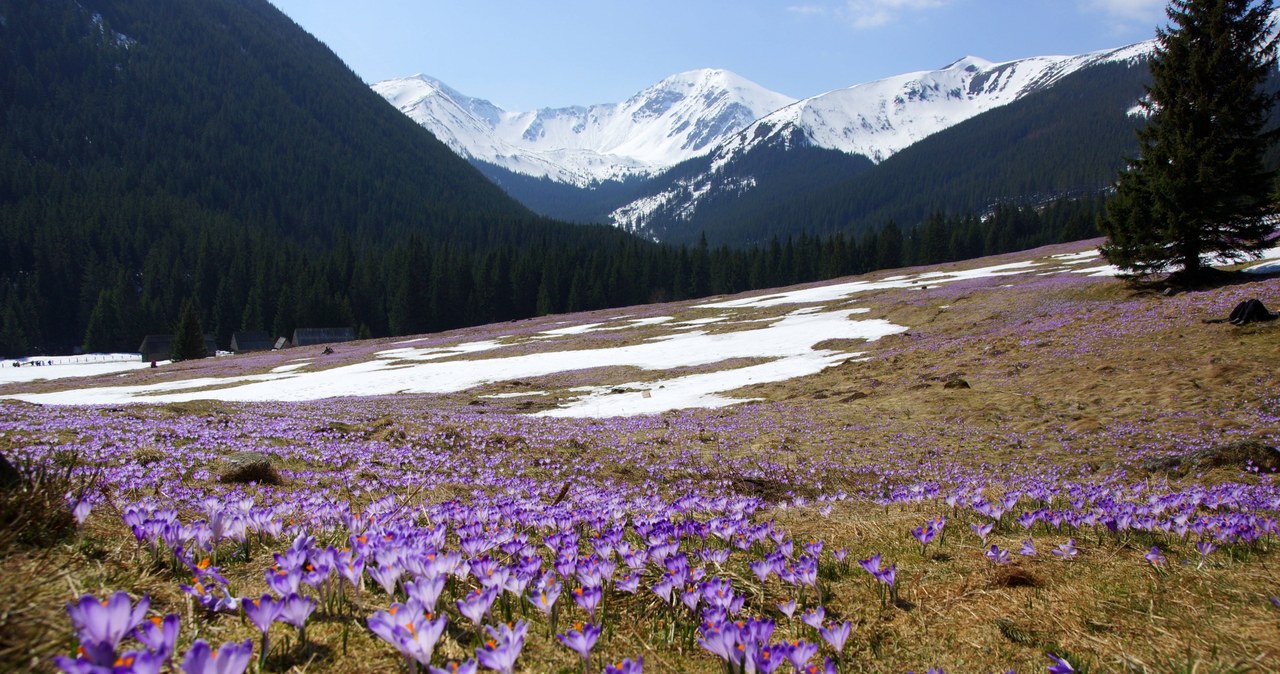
(251, 340)
(308, 336)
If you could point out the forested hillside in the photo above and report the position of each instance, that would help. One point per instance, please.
(160, 150)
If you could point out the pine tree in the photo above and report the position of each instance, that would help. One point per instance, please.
(188, 338)
(1199, 185)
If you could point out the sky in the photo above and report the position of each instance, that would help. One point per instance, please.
(526, 54)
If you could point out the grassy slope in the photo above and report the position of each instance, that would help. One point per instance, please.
(1073, 381)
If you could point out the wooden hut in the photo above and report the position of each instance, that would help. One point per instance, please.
(251, 340)
(311, 336)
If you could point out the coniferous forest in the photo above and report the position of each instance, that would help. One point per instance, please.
(159, 151)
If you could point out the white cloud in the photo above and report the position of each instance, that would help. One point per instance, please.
(874, 13)
(808, 10)
(1128, 14)
(868, 13)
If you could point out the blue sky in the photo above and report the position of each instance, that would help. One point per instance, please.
(524, 54)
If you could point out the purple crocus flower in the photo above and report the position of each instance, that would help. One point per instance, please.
(476, 604)
(283, 581)
(464, 667)
(982, 530)
(81, 510)
(544, 598)
(386, 575)
(813, 616)
(106, 621)
(232, 658)
(106, 662)
(887, 575)
(409, 629)
(1059, 665)
(503, 647)
(581, 639)
(1028, 548)
(262, 611)
(691, 596)
(159, 635)
(762, 568)
(836, 635)
(1204, 548)
(997, 555)
(765, 658)
(924, 534)
(588, 597)
(788, 608)
(295, 609)
(721, 640)
(1155, 557)
(629, 583)
(664, 587)
(351, 567)
(426, 590)
(871, 564)
(1066, 550)
(800, 653)
(626, 667)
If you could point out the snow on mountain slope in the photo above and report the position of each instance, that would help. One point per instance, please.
(683, 116)
(875, 119)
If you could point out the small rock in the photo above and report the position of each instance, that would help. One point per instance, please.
(956, 383)
(10, 476)
(1235, 454)
(243, 467)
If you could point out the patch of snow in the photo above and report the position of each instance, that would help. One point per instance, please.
(1269, 263)
(18, 370)
(840, 291)
(571, 330)
(789, 341)
(693, 322)
(1077, 258)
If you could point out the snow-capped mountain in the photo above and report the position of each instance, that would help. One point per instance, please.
(875, 119)
(681, 117)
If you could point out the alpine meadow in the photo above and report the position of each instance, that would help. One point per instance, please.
(973, 368)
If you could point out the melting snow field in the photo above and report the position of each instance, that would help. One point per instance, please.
(63, 367)
(788, 345)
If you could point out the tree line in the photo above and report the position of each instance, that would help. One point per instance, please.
(105, 295)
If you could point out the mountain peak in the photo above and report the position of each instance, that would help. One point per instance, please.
(968, 62)
(680, 117)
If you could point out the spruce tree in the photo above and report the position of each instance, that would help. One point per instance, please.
(1199, 185)
(188, 338)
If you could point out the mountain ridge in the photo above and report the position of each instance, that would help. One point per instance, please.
(682, 116)
(874, 120)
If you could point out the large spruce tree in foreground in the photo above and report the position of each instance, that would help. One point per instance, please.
(1199, 185)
